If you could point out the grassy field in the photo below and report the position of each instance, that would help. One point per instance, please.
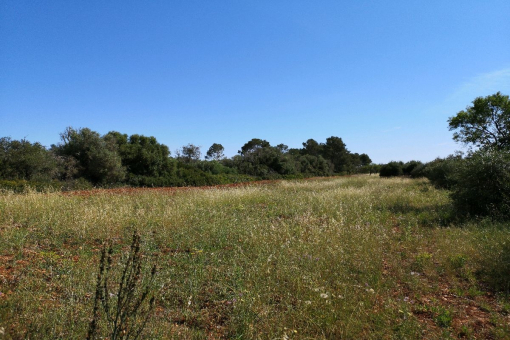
(339, 258)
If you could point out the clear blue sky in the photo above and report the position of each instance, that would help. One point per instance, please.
(382, 75)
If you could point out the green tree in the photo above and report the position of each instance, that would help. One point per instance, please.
(189, 153)
(142, 156)
(97, 158)
(253, 145)
(283, 148)
(258, 158)
(335, 151)
(311, 147)
(485, 124)
(24, 160)
(365, 160)
(215, 152)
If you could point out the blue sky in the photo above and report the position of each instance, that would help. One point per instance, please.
(382, 75)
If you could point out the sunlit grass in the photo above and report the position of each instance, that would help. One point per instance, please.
(358, 257)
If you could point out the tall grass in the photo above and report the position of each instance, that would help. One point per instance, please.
(336, 258)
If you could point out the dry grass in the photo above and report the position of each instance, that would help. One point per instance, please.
(349, 258)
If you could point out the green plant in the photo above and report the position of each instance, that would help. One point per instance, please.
(421, 260)
(458, 261)
(443, 317)
(127, 313)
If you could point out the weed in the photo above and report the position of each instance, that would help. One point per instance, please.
(443, 317)
(458, 261)
(128, 310)
(465, 332)
(421, 261)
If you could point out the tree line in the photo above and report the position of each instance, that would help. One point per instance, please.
(83, 158)
(478, 181)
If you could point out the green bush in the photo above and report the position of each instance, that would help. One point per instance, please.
(482, 184)
(419, 171)
(441, 172)
(408, 167)
(391, 169)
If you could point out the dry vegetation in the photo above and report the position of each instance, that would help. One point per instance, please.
(357, 257)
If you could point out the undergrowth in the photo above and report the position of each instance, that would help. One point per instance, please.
(341, 258)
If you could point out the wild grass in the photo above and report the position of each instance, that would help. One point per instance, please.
(342, 258)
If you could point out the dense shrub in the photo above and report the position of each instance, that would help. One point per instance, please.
(214, 167)
(391, 169)
(97, 157)
(482, 184)
(441, 172)
(419, 171)
(20, 159)
(408, 167)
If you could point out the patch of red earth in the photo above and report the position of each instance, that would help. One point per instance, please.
(11, 269)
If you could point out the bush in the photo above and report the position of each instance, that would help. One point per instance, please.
(419, 171)
(441, 172)
(391, 169)
(214, 167)
(410, 166)
(482, 184)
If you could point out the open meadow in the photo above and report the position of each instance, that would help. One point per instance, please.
(336, 258)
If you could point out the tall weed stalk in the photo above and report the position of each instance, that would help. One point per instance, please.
(128, 310)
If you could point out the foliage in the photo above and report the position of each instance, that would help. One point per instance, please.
(188, 175)
(98, 160)
(391, 169)
(482, 185)
(214, 167)
(258, 158)
(314, 166)
(215, 152)
(84, 159)
(311, 147)
(419, 171)
(364, 159)
(24, 160)
(441, 172)
(189, 153)
(485, 124)
(408, 167)
(479, 183)
(143, 156)
(252, 146)
(336, 152)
